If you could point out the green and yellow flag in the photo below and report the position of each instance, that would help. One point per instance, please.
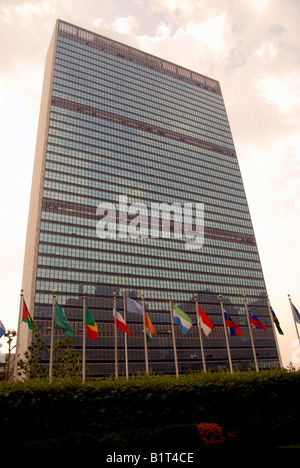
(91, 326)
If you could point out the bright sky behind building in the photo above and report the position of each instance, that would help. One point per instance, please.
(252, 47)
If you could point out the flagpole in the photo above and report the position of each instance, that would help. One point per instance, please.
(274, 332)
(145, 337)
(116, 336)
(173, 336)
(225, 332)
(125, 336)
(200, 333)
(52, 336)
(84, 337)
(293, 314)
(19, 328)
(250, 332)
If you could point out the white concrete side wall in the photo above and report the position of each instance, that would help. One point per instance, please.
(34, 216)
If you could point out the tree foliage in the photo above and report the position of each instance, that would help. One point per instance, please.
(31, 365)
(10, 357)
(66, 360)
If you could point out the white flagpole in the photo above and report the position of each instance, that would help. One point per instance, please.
(19, 328)
(84, 337)
(173, 337)
(274, 333)
(116, 336)
(293, 314)
(52, 336)
(225, 332)
(125, 336)
(250, 332)
(200, 333)
(145, 336)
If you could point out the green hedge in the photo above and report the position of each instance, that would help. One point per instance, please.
(152, 412)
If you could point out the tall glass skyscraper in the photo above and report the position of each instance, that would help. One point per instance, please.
(122, 131)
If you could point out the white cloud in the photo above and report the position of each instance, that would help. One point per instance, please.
(191, 44)
(267, 49)
(209, 33)
(162, 34)
(179, 6)
(126, 25)
(4, 15)
(98, 22)
(163, 30)
(257, 4)
(282, 90)
(32, 8)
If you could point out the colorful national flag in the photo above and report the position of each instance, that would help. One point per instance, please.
(233, 327)
(206, 324)
(2, 329)
(150, 330)
(134, 306)
(62, 321)
(255, 322)
(181, 319)
(296, 313)
(121, 325)
(91, 326)
(27, 318)
(276, 321)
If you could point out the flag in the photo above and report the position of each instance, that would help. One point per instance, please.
(62, 321)
(234, 328)
(206, 324)
(91, 326)
(181, 319)
(27, 318)
(255, 322)
(276, 321)
(134, 306)
(2, 329)
(150, 330)
(296, 313)
(121, 325)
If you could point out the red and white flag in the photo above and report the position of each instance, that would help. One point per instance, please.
(121, 325)
(205, 322)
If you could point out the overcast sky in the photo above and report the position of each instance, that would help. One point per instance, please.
(252, 47)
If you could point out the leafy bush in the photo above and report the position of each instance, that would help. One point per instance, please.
(211, 435)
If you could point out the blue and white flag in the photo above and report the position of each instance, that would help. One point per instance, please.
(2, 329)
(296, 313)
(181, 319)
(134, 306)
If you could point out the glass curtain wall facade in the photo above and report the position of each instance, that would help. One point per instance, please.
(119, 122)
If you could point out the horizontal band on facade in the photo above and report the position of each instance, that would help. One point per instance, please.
(73, 209)
(85, 109)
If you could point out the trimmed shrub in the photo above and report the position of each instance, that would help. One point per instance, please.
(151, 412)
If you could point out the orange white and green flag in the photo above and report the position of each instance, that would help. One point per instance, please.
(150, 330)
(91, 326)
